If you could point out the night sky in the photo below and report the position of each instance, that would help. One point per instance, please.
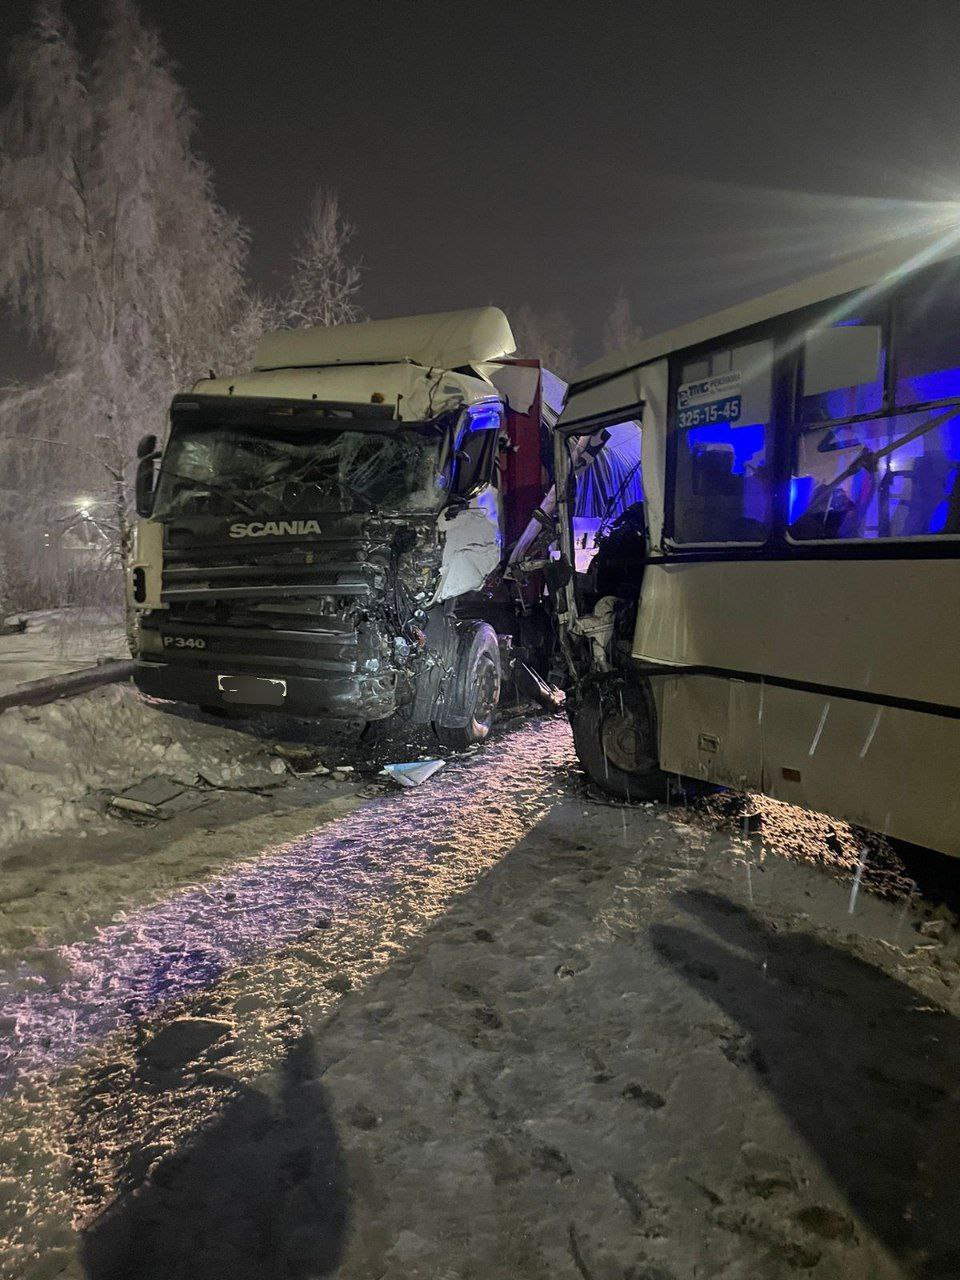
(687, 153)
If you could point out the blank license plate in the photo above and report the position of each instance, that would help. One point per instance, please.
(259, 691)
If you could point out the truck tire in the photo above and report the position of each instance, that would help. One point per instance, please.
(615, 736)
(472, 691)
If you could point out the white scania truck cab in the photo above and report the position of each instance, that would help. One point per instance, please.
(329, 534)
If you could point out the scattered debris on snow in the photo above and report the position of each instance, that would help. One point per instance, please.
(61, 764)
(592, 1025)
(413, 773)
(157, 797)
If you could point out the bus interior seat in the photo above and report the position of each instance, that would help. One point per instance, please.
(715, 501)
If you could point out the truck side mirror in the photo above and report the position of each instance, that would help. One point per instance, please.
(146, 479)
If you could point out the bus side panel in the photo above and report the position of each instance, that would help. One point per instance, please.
(885, 628)
(878, 626)
(653, 445)
(708, 730)
(880, 767)
(884, 768)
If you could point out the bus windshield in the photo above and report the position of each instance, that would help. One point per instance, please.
(223, 470)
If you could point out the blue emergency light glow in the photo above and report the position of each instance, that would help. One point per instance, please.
(488, 502)
(922, 388)
(482, 418)
(747, 441)
(939, 517)
(801, 491)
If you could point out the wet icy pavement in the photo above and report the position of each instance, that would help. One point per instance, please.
(508, 1032)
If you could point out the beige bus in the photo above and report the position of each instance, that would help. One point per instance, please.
(781, 611)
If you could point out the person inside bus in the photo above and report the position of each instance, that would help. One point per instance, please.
(930, 475)
(952, 522)
(828, 514)
(840, 508)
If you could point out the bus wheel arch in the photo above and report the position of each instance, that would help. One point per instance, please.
(615, 733)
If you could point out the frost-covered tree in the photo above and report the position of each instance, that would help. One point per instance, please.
(619, 331)
(181, 256)
(45, 151)
(546, 336)
(117, 255)
(5, 599)
(257, 314)
(326, 279)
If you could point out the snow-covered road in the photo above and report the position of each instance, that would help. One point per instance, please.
(489, 1030)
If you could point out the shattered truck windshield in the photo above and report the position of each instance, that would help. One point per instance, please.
(222, 470)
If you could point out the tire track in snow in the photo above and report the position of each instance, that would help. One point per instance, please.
(472, 813)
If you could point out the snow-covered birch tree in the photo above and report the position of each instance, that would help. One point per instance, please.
(117, 256)
(619, 331)
(326, 278)
(546, 336)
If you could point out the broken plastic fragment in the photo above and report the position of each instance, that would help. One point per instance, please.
(412, 773)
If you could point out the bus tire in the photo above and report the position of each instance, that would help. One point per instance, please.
(615, 736)
(472, 691)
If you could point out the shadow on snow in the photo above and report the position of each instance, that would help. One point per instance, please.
(258, 1193)
(865, 1070)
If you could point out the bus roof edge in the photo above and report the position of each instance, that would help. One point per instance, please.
(889, 261)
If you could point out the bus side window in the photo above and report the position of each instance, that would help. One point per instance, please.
(895, 474)
(722, 419)
(843, 370)
(927, 338)
(887, 477)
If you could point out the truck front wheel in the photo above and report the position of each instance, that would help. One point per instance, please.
(615, 736)
(472, 690)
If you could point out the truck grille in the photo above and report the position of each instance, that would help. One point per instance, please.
(268, 606)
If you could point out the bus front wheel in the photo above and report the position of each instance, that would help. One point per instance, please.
(615, 736)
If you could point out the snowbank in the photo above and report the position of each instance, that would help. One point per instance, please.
(56, 761)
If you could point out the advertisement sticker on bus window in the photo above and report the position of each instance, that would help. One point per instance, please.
(715, 399)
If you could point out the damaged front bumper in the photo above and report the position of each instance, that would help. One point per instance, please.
(311, 625)
(347, 697)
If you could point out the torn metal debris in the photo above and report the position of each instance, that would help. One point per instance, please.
(157, 797)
